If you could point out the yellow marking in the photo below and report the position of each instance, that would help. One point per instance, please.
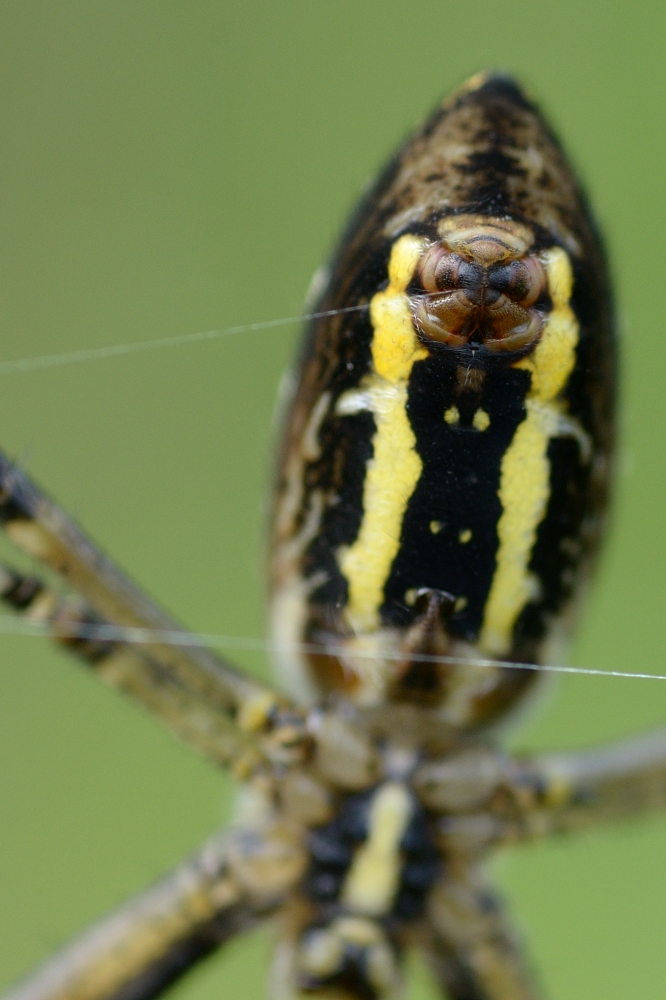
(559, 786)
(481, 420)
(525, 471)
(436, 527)
(322, 952)
(32, 538)
(394, 470)
(410, 596)
(42, 607)
(461, 604)
(254, 711)
(452, 415)
(358, 931)
(373, 878)
(465, 536)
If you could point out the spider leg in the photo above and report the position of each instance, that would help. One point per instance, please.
(40, 528)
(233, 881)
(470, 947)
(490, 799)
(342, 754)
(583, 789)
(74, 626)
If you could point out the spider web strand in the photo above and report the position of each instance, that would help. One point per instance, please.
(184, 639)
(116, 350)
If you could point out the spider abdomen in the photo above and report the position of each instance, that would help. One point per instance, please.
(446, 460)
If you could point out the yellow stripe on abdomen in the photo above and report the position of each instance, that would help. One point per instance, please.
(394, 470)
(524, 488)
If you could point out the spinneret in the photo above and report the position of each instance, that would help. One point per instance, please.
(488, 283)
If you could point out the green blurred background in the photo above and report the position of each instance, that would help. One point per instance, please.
(172, 167)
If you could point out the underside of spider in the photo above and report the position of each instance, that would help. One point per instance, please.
(440, 495)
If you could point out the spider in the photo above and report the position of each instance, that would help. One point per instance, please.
(404, 621)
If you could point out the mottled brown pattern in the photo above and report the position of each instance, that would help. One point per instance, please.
(488, 152)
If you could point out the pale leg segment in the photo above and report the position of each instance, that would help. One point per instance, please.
(156, 937)
(487, 798)
(129, 668)
(470, 947)
(36, 525)
(623, 779)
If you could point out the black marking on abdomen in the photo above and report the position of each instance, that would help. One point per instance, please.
(332, 848)
(458, 489)
(340, 474)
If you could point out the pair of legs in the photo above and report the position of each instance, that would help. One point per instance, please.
(477, 798)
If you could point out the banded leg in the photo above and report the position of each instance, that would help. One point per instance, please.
(470, 947)
(75, 627)
(343, 756)
(155, 938)
(36, 525)
(583, 789)
(490, 799)
(347, 957)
